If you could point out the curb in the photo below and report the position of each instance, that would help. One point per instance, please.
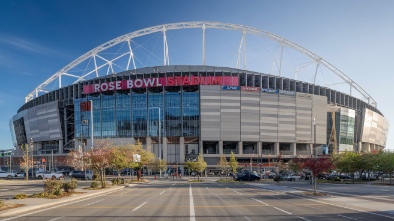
(24, 209)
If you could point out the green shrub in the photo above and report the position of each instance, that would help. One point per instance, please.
(39, 195)
(94, 185)
(117, 181)
(53, 187)
(20, 196)
(70, 186)
(2, 203)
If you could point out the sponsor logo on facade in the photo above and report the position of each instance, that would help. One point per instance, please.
(269, 90)
(250, 89)
(234, 88)
(291, 93)
(159, 82)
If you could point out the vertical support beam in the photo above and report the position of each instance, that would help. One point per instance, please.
(182, 150)
(259, 148)
(203, 44)
(165, 149)
(165, 49)
(276, 148)
(221, 147)
(280, 62)
(314, 78)
(131, 56)
(95, 65)
(240, 147)
(60, 81)
(293, 149)
(149, 144)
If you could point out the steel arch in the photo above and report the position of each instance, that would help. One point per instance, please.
(189, 25)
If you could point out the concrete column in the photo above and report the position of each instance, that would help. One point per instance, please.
(200, 147)
(164, 147)
(240, 147)
(60, 147)
(259, 148)
(293, 149)
(276, 148)
(148, 144)
(220, 147)
(182, 150)
(311, 149)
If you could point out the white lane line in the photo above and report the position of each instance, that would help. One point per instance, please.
(282, 210)
(139, 206)
(247, 218)
(161, 192)
(206, 187)
(170, 187)
(93, 202)
(260, 201)
(346, 217)
(56, 218)
(192, 214)
(303, 218)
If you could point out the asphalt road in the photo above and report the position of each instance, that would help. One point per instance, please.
(181, 200)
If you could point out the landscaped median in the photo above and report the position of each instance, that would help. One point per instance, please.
(32, 204)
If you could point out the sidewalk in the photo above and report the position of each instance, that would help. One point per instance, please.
(31, 204)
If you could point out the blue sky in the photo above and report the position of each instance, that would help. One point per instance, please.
(37, 38)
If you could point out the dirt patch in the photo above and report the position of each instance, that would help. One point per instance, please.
(6, 206)
(311, 193)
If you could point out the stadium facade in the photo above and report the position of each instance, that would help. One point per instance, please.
(186, 110)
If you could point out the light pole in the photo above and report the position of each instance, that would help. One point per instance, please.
(91, 119)
(159, 135)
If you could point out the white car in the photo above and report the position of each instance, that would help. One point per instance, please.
(51, 175)
(8, 175)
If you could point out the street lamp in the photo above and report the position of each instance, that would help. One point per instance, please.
(91, 119)
(159, 135)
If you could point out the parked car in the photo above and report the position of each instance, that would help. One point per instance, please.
(247, 177)
(79, 174)
(8, 175)
(52, 175)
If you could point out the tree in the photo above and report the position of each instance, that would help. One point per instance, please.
(233, 163)
(145, 157)
(387, 163)
(99, 159)
(157, 165)
(26, 164)
(118, 156)
(295, 165)
(76, 160)
(317, 166)
(223, 164)
(349, 162)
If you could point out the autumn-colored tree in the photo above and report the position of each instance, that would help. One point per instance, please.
(145, 157)
(99, 159)
(233, 163)
(75, 158)
(118, 156)
(157, 165)
(223, 164)
(26, 163)
(317, 166)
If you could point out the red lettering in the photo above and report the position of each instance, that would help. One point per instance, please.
(195, 80)
(170, 81)
(216, 80)
(178, 80)
(186, 81)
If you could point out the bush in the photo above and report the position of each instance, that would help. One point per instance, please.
(117, 181)
(94, 185)
(20, 196)
(39, 195)
(70, 186)
(53, 187)
(2, 203)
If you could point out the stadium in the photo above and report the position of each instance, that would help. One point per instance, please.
(200, 103)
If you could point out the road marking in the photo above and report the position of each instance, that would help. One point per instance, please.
(247, 218)
(139, 206)
(170, 187)
(93, 202)
(282, 210)
(161, 192)
(303, 218)
(192, 214)
(123, 193)
(206, 187)
(56, 218)
(260, 201)
(346, 217)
